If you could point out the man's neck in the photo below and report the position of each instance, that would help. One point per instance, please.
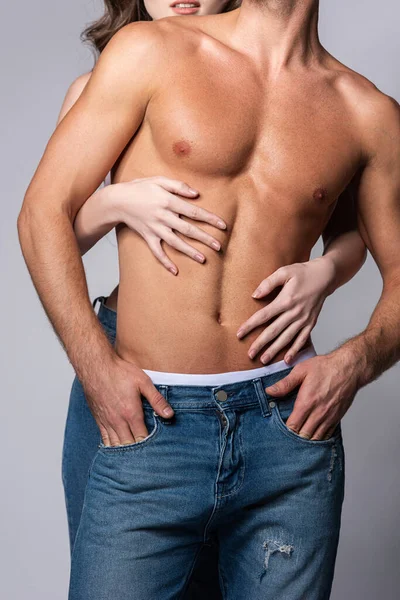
(279, 31)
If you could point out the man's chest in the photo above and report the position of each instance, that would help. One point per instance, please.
(287, 137)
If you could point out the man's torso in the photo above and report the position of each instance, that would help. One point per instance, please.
(269, 155)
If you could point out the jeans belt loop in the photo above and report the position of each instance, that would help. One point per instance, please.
(98, 298)
(262, 397)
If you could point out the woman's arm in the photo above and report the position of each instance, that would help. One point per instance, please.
(306, 286)
(344, 249)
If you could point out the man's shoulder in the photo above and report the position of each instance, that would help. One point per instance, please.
(136, 37)
(171, 34)
(363, 96)
(157, 36)
(137, 51)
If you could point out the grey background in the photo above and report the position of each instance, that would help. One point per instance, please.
(40, 56)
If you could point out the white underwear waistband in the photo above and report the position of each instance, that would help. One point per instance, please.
(165, 378)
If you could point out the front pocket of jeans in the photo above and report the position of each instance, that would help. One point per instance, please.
(152, 423)
(283, 409)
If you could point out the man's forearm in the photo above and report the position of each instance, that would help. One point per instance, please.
(53, 259)
(377, 348)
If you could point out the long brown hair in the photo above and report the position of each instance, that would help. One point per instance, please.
(117, 14)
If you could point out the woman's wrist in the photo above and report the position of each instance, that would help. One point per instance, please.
(110, 208)
(328, 266)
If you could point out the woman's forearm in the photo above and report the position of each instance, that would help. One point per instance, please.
(345, 255)
(95, 219)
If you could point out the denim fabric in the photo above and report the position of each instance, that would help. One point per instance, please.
(81, 439)
(225, 467)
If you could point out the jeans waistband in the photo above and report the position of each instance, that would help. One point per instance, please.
(241, 394)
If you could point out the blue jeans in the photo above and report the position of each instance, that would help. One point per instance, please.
(81, 439)
(225, 467)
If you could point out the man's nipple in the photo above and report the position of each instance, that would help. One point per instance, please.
(320, 194)
(182, 148)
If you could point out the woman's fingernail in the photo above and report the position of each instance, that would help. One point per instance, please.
(173, 270)
(199, 257)
(168, 412)
(288, 358)
(256, 294)
(216, 245)
(192, 191)
(252, 353)
(239, 332)
(221, 224)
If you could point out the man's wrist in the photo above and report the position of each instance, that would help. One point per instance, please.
(95, 357)
(353, 358)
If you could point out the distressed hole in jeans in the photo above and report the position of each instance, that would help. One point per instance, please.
(332, 462)
(272, 546)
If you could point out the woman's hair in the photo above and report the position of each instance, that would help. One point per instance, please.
(119, 13)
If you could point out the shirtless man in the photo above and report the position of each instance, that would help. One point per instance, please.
(252, 112)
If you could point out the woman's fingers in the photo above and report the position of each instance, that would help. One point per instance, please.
(154, 244)
(283, 322)
(278, 277)
(298, 343)
(283, 340)
(175, 186)
(176, 242)
(197, 213)
(191, 231)
(261, 316)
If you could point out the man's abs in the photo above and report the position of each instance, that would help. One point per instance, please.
(188, 323)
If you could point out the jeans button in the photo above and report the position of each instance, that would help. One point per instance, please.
(221, 395)
(223, 420)
(272, 404)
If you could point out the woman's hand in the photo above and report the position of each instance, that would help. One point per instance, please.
(152, 207)
(298, 304)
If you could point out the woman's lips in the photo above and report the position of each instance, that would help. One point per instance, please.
(185, 8)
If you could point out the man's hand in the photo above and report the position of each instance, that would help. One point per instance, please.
(114, 399)
(328, 385)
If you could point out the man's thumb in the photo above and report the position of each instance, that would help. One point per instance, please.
(157, 401)
(285, 385)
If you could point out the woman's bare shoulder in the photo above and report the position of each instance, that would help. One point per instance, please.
(74, 91)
